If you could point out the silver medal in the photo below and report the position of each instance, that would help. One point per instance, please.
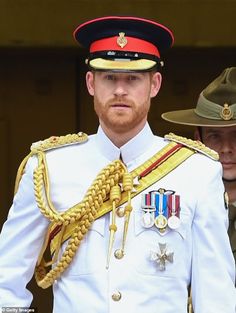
(174, 222)
(148, 219)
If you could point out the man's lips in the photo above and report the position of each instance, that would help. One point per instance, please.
(120, 106)
(228, 164)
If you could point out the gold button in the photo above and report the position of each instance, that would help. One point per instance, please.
(119, 253)
(120, 211)
(116, 296)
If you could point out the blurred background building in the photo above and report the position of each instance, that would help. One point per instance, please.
(42, 88)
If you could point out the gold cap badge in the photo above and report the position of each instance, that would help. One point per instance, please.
(121, 40)
(226, 112)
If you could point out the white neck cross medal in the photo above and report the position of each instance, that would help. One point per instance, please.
(162, 256)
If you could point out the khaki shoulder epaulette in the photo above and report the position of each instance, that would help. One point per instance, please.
(58, 141)
(193, 144)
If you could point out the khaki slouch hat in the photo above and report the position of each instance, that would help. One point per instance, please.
(216, 105)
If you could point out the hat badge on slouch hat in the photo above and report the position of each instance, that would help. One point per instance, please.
(226, 113)
(216, 105)
(123, 43)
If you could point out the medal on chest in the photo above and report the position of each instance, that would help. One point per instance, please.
(148, 208)
(161, 209)
(162, 256)
(173, 211)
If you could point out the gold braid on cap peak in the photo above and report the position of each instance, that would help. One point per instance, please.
(194, 144)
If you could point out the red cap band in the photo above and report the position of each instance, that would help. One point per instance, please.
(132, 45)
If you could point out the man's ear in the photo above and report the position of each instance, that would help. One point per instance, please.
(156, 84)
(197, 135)
(90, 82)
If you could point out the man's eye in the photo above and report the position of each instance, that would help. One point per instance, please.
(110, 77)
(213, 137)
(132, 77)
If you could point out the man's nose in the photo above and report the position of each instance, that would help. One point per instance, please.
(226, 146)
(120, 89)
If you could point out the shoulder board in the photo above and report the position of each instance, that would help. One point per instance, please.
(58, 141)
(193, 144)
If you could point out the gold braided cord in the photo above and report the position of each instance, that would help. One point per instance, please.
(115, 196)
(41, 176)
(20, 171)
(83, 213)
(42, 190)
(99, 191)
(128, 187)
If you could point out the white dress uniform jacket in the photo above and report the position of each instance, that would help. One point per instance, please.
(134, 283)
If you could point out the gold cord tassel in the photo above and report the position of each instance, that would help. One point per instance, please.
(127, 186)
(115, 197)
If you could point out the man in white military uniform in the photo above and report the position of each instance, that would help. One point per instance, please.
(132, 219)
